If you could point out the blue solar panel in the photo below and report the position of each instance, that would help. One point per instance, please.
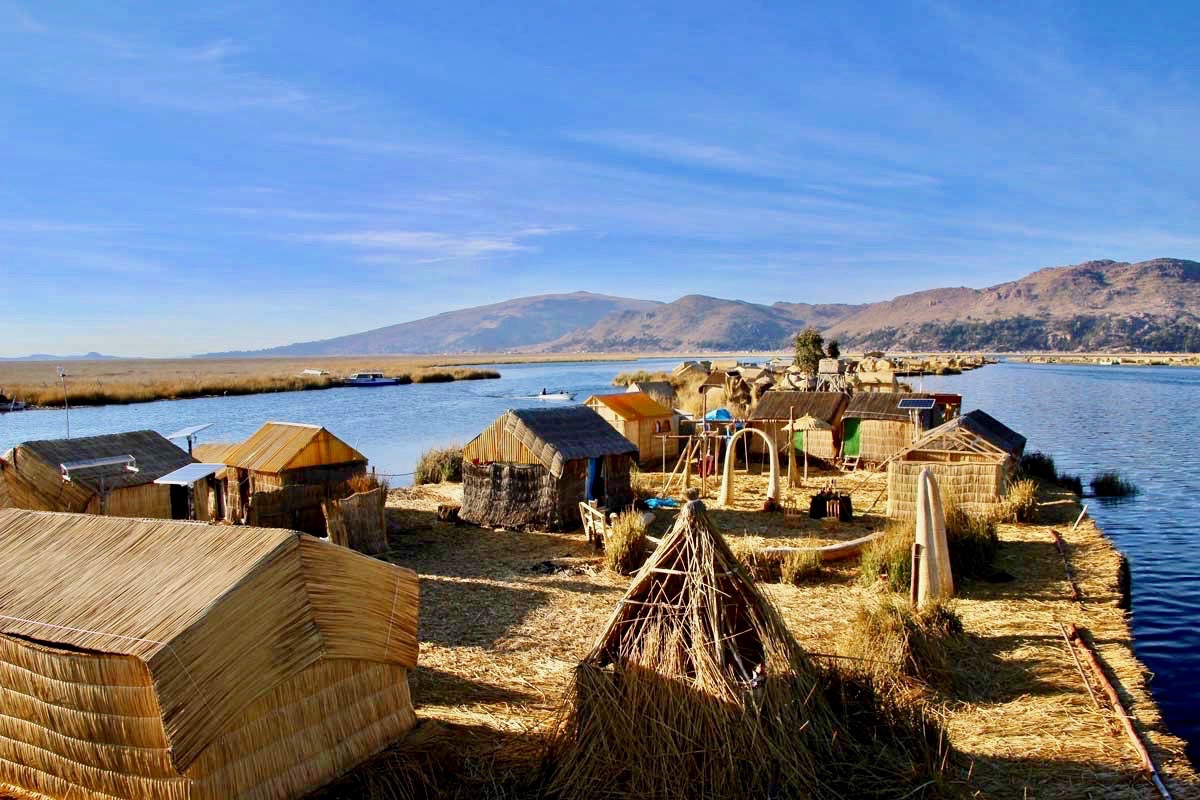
(916, 404)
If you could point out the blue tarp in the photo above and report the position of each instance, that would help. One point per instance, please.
(662, 502)
(719, 415)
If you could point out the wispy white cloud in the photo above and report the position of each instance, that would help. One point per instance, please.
(676, 149)
(385, 246)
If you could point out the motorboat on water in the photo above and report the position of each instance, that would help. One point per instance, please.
(561, 394)
(370, 379)
(11, 405)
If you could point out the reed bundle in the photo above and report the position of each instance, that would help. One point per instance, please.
(697, 689)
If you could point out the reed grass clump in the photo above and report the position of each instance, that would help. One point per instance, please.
(972, 540)
(625, 548)
(1072, 483)
(756, 565)
(366, 482)
(801, 566)
(1021, 502)
(889, 558)
(903, 648)
(642, 376)
(1112, 484)
(440, 465)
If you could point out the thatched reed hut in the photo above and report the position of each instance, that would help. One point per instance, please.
(290, 469)
(642, 420)
(875, 428)
(34, 477)
(775, 408)
(532, 467)
(973, 457)
(180, 661)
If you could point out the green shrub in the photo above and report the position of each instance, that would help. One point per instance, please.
(625, 549)
(795, 568)
(1111, 484)
(1020, 505)
(1039, 465)
(440, 465)
(1071, 482)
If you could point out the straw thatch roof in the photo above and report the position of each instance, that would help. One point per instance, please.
(557, 435)
(779, 406)
(214, 453)
(280, 446)
(17, 492)
(631, 405)
(155, 457)
(218, 618)
(881, 405)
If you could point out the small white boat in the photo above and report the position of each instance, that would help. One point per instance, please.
(561, 394)
(370, 379)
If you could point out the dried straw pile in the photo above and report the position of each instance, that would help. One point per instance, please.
(696, 689)
(174, 660)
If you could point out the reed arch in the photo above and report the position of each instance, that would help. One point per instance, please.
(726, 496)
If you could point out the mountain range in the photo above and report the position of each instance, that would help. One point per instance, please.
(1098, 305)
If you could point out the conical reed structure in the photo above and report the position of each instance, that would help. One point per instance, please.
(695, 688)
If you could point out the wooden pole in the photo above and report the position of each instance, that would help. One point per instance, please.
(1135, 739)
(1062, 551)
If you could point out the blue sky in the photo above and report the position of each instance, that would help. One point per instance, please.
(251, 174)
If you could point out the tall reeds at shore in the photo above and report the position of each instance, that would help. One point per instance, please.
(98, 392)
(440, 465)
(1112, 484)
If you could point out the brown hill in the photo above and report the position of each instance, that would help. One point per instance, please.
(698, 323)
(1100, 304)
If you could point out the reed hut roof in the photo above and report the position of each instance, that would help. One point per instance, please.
(715, 380)
(976, 433)
(280, 446)
(995, 432)
(631, 405)
(881, 405)
(656, 388)
(215, 453)
(780, 406)
(557, 435)
(218, 617)
(155, 456)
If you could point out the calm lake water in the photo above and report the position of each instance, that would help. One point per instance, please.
(1132, 419)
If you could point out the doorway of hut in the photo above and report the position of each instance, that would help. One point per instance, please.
(594, 488)
(179, 502)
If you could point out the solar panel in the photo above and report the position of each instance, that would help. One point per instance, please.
(189, 474)
(916, 404)
(188, 433)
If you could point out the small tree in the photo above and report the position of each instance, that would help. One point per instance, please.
(833, 348)
(810, 349)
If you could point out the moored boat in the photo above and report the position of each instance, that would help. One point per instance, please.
(560, 394)
(370, 379)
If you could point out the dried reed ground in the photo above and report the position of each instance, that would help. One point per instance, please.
(499, 640)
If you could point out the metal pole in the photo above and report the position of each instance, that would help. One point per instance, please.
(62, 374)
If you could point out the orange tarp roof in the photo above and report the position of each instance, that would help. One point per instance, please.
(632, 405)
